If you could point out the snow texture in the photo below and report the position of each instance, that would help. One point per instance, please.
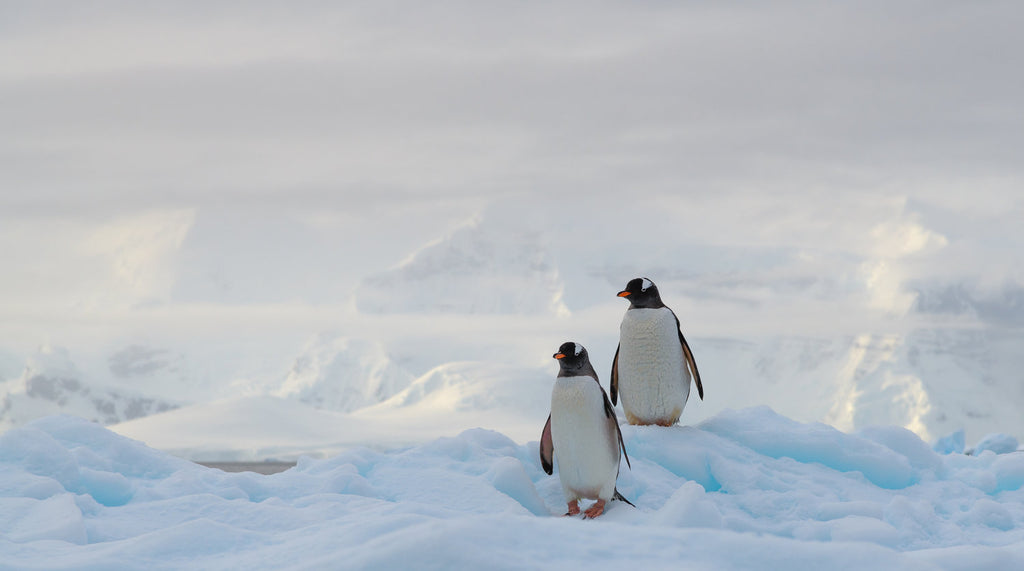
(745, 489)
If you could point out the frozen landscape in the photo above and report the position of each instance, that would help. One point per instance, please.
(459, 333)
(351, 236)
(743, 489)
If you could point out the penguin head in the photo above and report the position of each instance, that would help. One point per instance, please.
(641, 292)
(572, 357)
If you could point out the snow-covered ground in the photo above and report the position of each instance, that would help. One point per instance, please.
(745, 489)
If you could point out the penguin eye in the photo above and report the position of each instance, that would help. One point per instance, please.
(577, 349)
(645, 284)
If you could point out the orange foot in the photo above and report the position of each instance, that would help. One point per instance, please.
(595, 510)
(634, 420)
(574, 508)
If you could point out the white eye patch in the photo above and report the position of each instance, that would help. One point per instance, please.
(644, 285)
(579, 349)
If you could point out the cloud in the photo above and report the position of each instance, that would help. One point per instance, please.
(460, 97)
(832, 148)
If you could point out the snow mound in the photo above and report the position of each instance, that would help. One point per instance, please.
(746, 489)
(340, 373)
(997, 443)
(484, 267)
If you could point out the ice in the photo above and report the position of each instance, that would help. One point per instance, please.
(998, 443)
(689, 506)
(814, 443)
(508, 475)
(55, 518)
(951, 443)
(745, 489)
(1009, 471)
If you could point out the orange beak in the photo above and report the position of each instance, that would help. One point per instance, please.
(624, 294)
(559, 355)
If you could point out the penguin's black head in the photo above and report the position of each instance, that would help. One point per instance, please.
(641, 292)
(572, 357)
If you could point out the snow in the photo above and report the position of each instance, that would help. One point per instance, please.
(744, 489)
(442, 402)
(391, 255)
(50, 383)
(323, 374)
(506, 288)
(998, 443)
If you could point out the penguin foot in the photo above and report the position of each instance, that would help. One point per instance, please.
(594, 510)
(574, 508)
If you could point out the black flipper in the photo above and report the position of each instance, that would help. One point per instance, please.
(609, 413)
(614, 384)
(688, 355)
(547, 448)
(621, 498)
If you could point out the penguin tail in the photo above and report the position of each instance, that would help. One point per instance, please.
(621, 498)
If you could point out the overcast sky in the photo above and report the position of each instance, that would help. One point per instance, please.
(129, 130)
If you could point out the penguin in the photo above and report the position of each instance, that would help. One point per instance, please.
(583, 432)
(653, 363)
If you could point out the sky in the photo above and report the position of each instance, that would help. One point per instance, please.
(216, 155)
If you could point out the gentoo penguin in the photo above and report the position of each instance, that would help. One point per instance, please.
(583, 432)
(650, 365)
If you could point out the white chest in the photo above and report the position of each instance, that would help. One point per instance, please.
(585, 448)
(653, 380)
